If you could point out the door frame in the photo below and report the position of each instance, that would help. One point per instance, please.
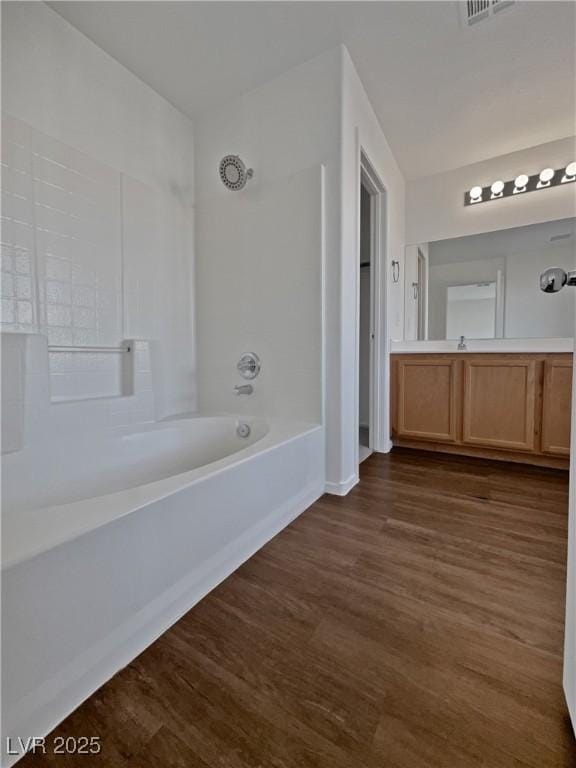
(369, 178)
(569, 661)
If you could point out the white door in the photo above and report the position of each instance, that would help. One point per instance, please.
(551, 281)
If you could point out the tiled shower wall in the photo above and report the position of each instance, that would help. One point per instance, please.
(81, 245)
(61, 256)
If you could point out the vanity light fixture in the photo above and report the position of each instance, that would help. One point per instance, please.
(545, 179)
(476, 195)
(520, 183)
(497, 189)
(569, 173)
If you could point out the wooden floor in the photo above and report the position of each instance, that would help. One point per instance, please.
(415, 623)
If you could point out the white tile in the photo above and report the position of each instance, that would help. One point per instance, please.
(6, 260)
(25, 313)
(58, 315)
(22, 262)
(83, 318)
(84, 337)
(22, 236)
(7, 286)
(57, 269)
(23, 287)
(83, 296)
(58, 292)
(60, 337)
(84, 275)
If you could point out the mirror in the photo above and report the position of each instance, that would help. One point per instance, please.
(488, 286)
(471, 311)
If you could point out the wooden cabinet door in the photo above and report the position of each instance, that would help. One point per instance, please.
(556, 406)
(427, 399)
(500, 397)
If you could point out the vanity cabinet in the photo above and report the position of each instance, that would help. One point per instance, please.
(428, 399)
(505, 406)
(556, 406)
(499, 399)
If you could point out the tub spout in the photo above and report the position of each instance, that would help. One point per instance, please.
(243, 389)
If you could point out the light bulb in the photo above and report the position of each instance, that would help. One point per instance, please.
(497, 188)
(521, 181)
(570, 172)
(547, 175)
(475, 194)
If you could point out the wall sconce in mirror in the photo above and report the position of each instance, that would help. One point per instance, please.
(395, 271)
(546, 178)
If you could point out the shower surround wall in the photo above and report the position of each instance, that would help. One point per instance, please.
(97, 177)
(316, 115)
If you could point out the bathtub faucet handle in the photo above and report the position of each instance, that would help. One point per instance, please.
(243, 389)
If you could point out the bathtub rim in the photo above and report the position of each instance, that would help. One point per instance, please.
(74, 519)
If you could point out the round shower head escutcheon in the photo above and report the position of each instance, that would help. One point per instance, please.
(234, 173)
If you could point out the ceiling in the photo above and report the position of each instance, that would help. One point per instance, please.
(501, 243)
(446, 95)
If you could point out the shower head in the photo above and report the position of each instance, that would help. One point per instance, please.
(234, 173)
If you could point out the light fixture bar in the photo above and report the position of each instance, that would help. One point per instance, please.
(522, 184)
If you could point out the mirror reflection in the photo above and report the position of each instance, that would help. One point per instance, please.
(487, 286)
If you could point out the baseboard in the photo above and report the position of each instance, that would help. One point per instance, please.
(341, 489)
(85, 675)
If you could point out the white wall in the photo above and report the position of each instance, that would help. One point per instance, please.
(361, 131)
(259, 272)
(305, 118)
(286, 130)
(104, 225)
(435, 204)
(259, 250)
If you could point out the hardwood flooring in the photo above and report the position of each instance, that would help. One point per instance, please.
(415, 623)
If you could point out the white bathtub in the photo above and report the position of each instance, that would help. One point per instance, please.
(107, 542)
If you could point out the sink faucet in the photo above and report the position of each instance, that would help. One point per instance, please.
(243, 389)
(462, 345)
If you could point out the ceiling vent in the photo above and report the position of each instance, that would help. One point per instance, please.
(474, 11)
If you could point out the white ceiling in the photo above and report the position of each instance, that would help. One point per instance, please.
(445, 95)
(501, 243)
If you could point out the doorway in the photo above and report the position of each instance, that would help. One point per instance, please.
(366, 330)
(371, 429)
